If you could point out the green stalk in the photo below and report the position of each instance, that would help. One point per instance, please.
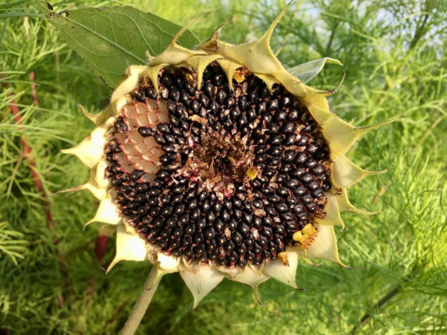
(142, 304)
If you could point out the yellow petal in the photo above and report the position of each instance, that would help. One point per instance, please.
(324, 246)
(129, 247)
(100, 176)
(152, 73)
(200, 279)
(249, 277)
(342, 135)
(91, 149)
(128, 82)
(332, 217)
(267, 79)
(291, 83)
(229, 67)
(199, 64)
(174, 53)
(345, 205)
(282, 272)
(165, 264)
(91, 117)
(107, 212)
(345, 173)
(258, 56)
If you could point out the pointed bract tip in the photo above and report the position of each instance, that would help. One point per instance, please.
(331, 92)
(269, 32)
(215, 35)
(88, 223)
(185, 28)
(148, 56)
(257, 297)
(88, 115)
(283, 44)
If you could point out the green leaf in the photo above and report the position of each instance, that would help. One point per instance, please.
(305, 72)
(108, 38)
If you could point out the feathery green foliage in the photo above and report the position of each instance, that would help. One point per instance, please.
(393, 54)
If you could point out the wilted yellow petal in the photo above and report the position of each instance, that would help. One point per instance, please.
(284, 273)
(200, 279)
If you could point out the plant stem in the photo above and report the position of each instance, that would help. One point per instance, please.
(382, 302)
(138, 311)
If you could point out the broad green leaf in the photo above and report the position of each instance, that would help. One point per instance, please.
(305, 72)
(108, 38)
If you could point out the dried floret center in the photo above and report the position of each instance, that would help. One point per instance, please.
(219, 161)
(211, 173)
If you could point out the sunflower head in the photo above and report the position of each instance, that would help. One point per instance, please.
(219, 163)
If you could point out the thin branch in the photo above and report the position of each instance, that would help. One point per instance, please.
(140, 308)
(382, 302)
(331, 38)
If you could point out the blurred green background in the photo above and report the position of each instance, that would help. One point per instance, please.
(51, 280)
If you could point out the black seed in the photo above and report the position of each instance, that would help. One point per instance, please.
(174, 94)
(210, 217)
(272, 105)
(292, 183)
(253, 97)
(165, 159)
(285, 101)
(288, 128)
(312, 148)
(209, 89)
(270, 210)
(190, 89)
(307, 178)
(136, 174)
(267, 220)
(120, 126)
(303, 140)
(151, 93)
(195, 106)
(167, 80)
(140, 96)
(204, 100)
(275, 150)
(235, 113)
(319, 169)
(282, 207)
(179, 209)
(185, 98)
(218, 79)
(318, 192)
(313, 185)
(179, 82)
(159, 139)
(164, 128)
(164, 92)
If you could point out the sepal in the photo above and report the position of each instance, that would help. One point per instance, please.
(250, 277)
(108, 212)
(324, 246)
(129, 247)
(332, 210)
(91, 149)
(345, 173)
(285, 272)
(200, 279)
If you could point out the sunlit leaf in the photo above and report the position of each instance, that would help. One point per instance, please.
(305, 72)
(108, 38)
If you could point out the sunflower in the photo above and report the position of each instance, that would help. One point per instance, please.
(219, 163)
